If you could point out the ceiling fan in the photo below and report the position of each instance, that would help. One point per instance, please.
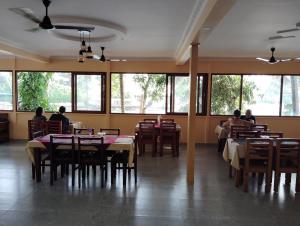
(297, 28)
(274, 60)
(45, 24)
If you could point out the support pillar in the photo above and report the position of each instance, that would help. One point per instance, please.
(191, 125)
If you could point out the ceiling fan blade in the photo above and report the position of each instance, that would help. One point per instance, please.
(281, 37)
(78, 28)
(262, 59)
(36, 29)
(285, 60)
(96, 57)
(27, 13)
(288, 30)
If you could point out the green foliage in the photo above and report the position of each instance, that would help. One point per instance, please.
(226, 93)
(152, 86)
(32, 90)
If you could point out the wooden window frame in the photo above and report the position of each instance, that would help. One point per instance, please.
(103, 92)
(73, 90)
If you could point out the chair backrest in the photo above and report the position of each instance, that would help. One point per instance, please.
(90, 144)
(247, 134)
(54, 127)
(84, 131)
(235, 128)
(61, 143)
(35, 126)
(258, 149)
(154, 120)
(146, 128)
(166, 120)
(259, 127)
(111, 131)
(167, 128)
(288, 149)
(272, 134)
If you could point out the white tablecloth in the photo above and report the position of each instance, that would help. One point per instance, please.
(233, 151)
(221, 132)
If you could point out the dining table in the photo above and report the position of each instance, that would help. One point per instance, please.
(36, 147)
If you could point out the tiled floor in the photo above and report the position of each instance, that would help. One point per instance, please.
(161, 196)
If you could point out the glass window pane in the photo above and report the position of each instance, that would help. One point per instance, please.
(181, 94)
(138, 93)
(225, 94)
(261, 94)
(49, 90)
(89, 91)
(291, 96)
(200, 98)
(6, 90)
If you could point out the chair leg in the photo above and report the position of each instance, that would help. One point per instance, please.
(62, 170)
(73, 175)
(124, 168)
(33, 171)
(268, 182)
(298, 182)
(135, 173)
(237, 178)
(245, 182)
(79, 175)
(67, 169)
(288, 177)
(43, 166)
(276, 181)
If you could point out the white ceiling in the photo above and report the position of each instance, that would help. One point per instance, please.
(154, 28)
(245, 29)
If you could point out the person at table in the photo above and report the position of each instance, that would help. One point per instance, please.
(248, 116)
(59, 116)
(237, 121)
(39, 115)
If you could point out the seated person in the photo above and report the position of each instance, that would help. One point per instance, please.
(248, 116)
(236, 121)
(60, 117)
(39, 115)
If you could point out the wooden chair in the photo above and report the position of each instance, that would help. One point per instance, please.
(287, 161)
(36, 126)
(167, 135)
(258, 159)
(272, 134)
(259, 127)
(62, 152)
(147, 135)
(236, 128)
(111, 131)
(247, 134)
(122, 158)
(84, 131)
(44, 157)
(54, 127)
(154, 120)
(91, 152)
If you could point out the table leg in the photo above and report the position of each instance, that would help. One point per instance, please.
(37, 163)
(125, 162)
